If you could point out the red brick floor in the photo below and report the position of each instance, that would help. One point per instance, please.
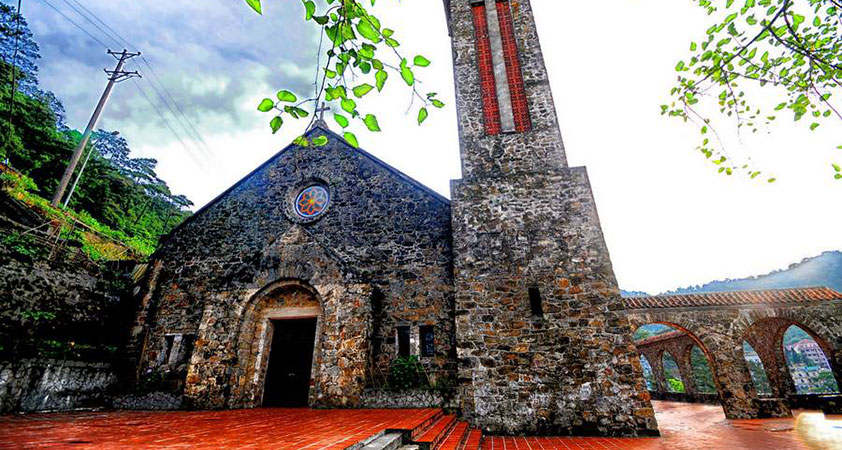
(692, 427)
(275, 429)
(683, 426)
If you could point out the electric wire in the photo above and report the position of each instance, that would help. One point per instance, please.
(148, 99)
(178, 112)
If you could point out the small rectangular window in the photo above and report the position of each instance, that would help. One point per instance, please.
(428, 341)
(403, 341)
(535, 303)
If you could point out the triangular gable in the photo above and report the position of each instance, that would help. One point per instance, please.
(400, 175)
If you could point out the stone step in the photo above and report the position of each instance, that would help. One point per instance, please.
(455, 438)
(388, 441)
(418, 430)
(436, 433)
(474, 440)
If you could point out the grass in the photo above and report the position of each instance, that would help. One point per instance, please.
(99, 242)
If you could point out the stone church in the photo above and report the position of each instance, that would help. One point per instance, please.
(303, 282)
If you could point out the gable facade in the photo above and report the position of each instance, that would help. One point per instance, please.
(377, 260)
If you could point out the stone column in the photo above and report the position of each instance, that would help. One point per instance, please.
(774, 363)
(685, 368)
(738, 396)
(656, 361)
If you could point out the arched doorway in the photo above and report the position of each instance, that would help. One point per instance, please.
(672, 374)
(278, 347)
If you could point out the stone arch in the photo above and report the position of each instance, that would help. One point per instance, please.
(759, 371)
(765, 329)
(288, 298)
(638, 321)
(825, 355)
(664, 360)
(730, 373)
(220, 360)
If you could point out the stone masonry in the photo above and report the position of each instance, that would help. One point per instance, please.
(526, 232)
(378, 259)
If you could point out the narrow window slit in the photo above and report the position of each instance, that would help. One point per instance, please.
(535, 302)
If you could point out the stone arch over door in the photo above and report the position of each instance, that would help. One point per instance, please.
(286, 299)
(224, 356)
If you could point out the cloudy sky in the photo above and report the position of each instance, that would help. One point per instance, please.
(670, 220)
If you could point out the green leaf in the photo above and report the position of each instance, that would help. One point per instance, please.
(351, 138)
(266, 105)
(422, 115)
(276, 124)
(438, 103)
(771, 180)
(421, 61)
(367, 31)
(813, 126)
(320, 141)
(406, 73)
(381, 77)
(255, 5)
(310, 8)
(349, 105)
(287, 96)
(341, 120)
(362, 89)
(836, 167)
(371, 122)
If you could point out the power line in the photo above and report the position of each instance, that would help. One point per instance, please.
(166, 122)
(117, 39)
(14, 74)
(76, 24)
(178, 112)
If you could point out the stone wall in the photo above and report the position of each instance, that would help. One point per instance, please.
(47, 385)
(542, 342)
(379, 258)
(720, 331)
(410, 398)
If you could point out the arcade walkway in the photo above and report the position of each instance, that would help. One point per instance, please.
(684, 427)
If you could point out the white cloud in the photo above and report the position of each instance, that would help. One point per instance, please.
(668, 218)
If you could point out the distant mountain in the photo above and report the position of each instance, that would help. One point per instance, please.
(822, 270)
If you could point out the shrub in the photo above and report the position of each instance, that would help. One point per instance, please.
(406, 373)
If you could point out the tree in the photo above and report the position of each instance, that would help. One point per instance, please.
(356, 43)
(788, 53)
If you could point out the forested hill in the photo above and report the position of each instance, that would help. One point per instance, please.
(821, 270)
(118, 196)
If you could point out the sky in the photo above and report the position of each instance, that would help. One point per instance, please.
(669, 218)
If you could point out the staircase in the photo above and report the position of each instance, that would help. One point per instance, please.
(439, 432)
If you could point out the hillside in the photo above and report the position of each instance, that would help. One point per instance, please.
(821, 270)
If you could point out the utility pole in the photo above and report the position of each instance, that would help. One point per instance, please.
(82, 169)
(114, 76)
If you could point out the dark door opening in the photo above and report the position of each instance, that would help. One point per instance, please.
(290, 360)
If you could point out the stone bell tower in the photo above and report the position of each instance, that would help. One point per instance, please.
(542, 341)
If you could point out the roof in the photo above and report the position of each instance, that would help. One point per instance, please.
(292, 146)
(735, 298)
(660, 337)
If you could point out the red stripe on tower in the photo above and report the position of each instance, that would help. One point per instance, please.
(520, 107)
(490, 107)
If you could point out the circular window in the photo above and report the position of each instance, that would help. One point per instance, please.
(312, 201)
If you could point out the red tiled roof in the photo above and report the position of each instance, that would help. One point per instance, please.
(659, 338)
(735, 298)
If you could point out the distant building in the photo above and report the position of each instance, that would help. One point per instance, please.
(811, 350)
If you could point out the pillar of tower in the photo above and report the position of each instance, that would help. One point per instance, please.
(542, 341)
